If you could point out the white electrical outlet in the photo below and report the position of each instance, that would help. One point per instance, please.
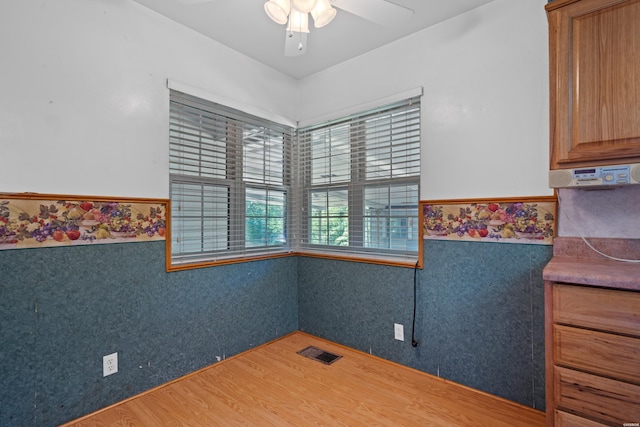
(399, 331)
(109, 364)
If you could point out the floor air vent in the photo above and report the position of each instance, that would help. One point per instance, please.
(320, 355)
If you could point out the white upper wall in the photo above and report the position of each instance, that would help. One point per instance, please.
(84, 104)
(84, 107)
(485, 119)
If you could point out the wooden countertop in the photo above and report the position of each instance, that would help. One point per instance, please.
(575, 262)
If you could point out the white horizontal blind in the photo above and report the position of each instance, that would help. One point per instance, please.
(229, 182)
(359, 183)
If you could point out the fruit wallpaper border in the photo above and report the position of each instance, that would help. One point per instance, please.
(32, 220)
(515, 220)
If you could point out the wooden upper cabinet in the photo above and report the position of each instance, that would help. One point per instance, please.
(595, 82)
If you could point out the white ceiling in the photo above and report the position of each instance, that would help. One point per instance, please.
(243, 26)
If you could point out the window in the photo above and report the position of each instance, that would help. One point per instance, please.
(229, 182)
(360, 179)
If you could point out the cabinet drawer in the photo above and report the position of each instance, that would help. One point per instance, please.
(599, 398)
(565, 419)
(611, 355)
(603, 309)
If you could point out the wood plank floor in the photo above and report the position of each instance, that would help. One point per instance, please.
(272, 385)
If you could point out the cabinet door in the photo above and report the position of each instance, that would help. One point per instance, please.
(595, 82)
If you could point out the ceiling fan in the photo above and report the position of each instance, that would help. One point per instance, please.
(295, 14)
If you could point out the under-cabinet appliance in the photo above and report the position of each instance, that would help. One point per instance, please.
(596, 176)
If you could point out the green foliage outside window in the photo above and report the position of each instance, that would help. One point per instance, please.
(264, 224)
(330, 227)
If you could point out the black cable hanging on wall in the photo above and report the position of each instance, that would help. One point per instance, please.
(414, 343)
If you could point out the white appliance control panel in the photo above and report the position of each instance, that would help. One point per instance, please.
(599, 176)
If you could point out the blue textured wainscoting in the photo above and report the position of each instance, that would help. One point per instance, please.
(480, 319)
(480, 313)
(62, 309)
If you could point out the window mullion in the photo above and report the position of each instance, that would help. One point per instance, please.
(237, 193)
(356, 187)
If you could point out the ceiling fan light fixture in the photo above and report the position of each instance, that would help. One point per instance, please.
(304, 6)
(278, 10)
(323, 13)
(298, 22)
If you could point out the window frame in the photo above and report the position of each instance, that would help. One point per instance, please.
(297, 198)
(235, 157)
(357, 185)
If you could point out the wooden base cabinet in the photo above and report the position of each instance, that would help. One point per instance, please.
(592, 355)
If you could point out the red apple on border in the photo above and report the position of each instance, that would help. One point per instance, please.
(73, 234)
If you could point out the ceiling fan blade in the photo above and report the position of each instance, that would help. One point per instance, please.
(378, 11)
(295, 43)
(189, 2)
